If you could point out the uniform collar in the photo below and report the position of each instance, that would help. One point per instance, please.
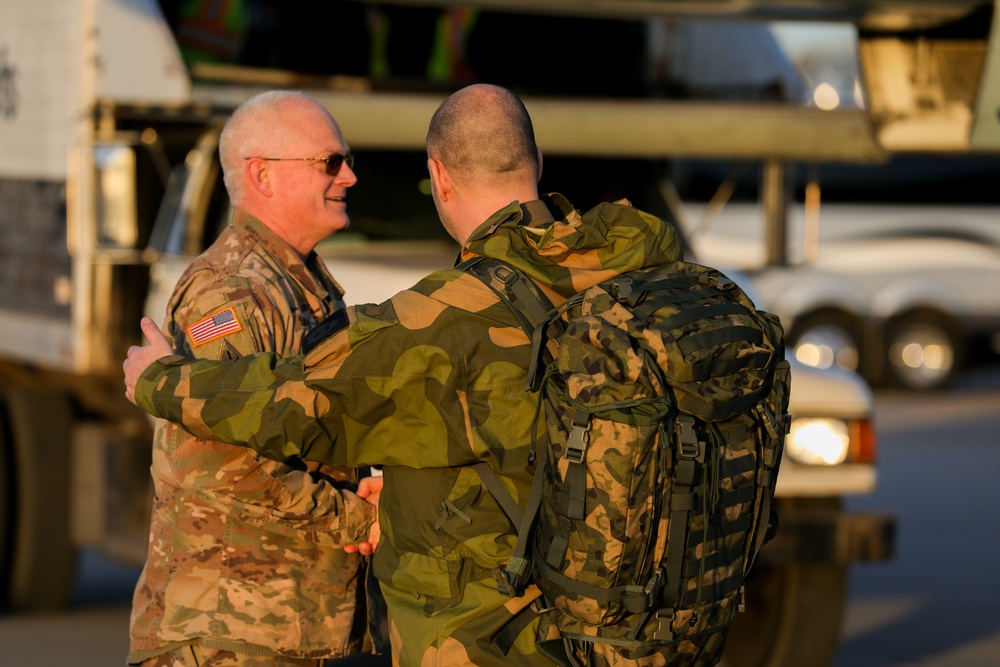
(310, 270)
(534, 213)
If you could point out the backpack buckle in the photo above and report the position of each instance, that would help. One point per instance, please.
(654, 588)
(504, 585)
(638, 599)
(622, 288)
(576, 443)
(664, 620)
(509, 579)
(504, 274)
(688, 445)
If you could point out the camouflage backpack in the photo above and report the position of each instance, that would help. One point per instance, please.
(664, 392)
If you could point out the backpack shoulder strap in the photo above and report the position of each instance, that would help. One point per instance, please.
(533, 310)
(512, 578)
(530, 306)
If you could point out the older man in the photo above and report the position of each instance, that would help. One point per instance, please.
(245, 564)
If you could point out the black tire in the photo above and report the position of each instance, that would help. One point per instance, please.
(793, 617)
(41, 559)
(794, 610)
(827, 339)
(922, 351)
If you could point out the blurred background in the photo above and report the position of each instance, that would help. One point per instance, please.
(839, 158)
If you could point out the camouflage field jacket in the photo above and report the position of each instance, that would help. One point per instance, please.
(244, 551)
(425, 384)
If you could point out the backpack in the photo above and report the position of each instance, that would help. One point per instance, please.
(664, 392)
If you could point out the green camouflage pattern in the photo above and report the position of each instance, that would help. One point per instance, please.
(245, 552)
(634, 353)
(425, 385)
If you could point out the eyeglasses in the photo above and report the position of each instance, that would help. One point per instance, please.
(333, 161)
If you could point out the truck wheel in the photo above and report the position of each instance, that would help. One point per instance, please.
(922, 351)
(826, 340)
(39, 556)
(792, 618)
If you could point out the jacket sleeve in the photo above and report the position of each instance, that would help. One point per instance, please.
(244, 402)
(287, 500)
(375, 393)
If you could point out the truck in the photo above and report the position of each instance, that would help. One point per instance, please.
(879, 267)
(892, 291)
(110, 184)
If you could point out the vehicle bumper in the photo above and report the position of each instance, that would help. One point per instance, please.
(805, 481)
(831, 537)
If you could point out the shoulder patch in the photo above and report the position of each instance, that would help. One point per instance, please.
(214, 326)
(331, 325)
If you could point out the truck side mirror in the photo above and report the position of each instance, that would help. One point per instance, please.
(115, 213)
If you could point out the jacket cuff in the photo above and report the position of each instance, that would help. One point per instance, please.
(147, 384)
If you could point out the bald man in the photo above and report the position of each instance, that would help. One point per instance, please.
(431, 383)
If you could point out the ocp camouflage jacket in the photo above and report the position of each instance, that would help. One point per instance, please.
(425, 384)
(245, 552)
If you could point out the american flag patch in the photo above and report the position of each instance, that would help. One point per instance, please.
(214, 326)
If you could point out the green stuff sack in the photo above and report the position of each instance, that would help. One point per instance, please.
(665, 407)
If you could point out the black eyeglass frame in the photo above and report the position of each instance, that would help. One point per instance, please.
(334, 161)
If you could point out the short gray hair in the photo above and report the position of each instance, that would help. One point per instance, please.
(242, 135)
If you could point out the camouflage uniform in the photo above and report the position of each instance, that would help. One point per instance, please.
(425, 384)
(244, 552)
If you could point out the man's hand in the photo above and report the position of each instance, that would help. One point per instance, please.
(140, 358)
(369, 488)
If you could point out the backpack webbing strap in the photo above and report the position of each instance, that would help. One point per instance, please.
(559, 543)
(719, 558)
(776, 427)
(717, 337)
(709, 411)
(635, 598)
(574, 495)
(507, 635)
(728, 586)
(665, 285)
(690, 453)
(576, 472)
(716, 367)
(512, 577)
(689, 315)
(744, 524)
(493, 484)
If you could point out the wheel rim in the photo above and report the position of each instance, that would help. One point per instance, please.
(826, 346)
(922, 355)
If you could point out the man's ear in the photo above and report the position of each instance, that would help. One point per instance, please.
(440, 179)
(258, 175)
(538, 152)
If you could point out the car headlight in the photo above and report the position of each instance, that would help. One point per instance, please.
(826, 441)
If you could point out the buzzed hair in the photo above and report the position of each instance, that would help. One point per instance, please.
(484, 132)
(247, 129)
